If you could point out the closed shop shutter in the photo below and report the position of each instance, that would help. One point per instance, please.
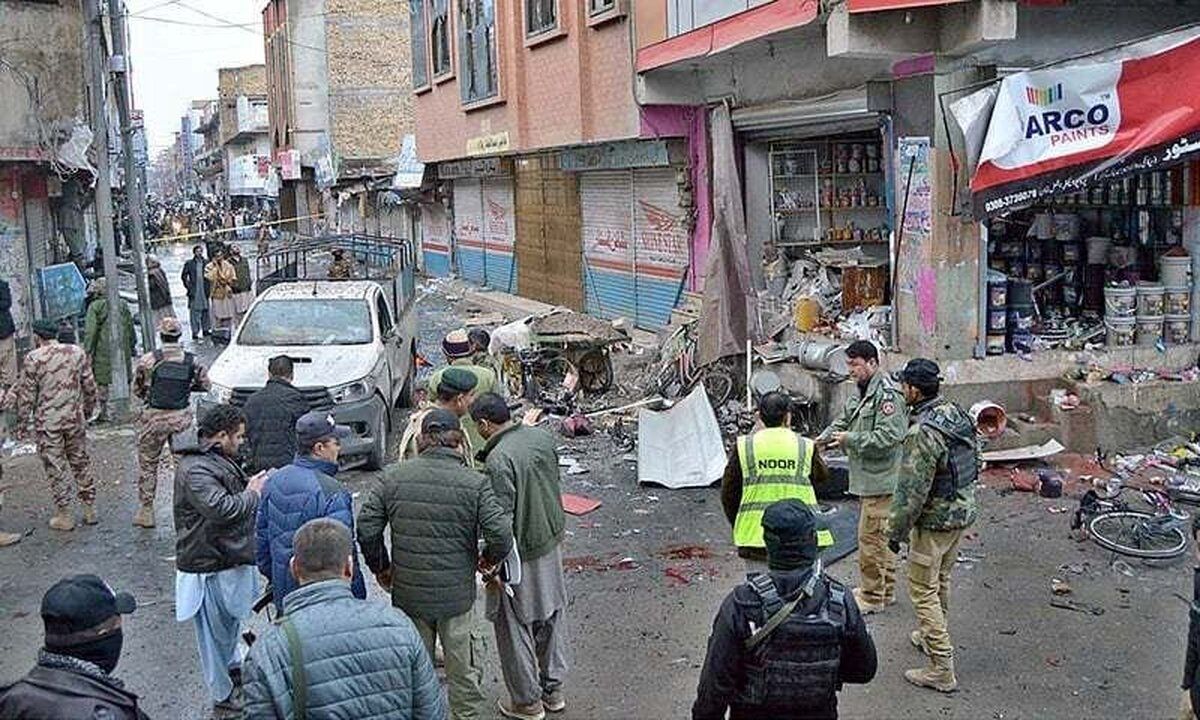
(468, 230)
(608, 280)
(499, 236)
(548, 249)
(435, 239)
(660, 250)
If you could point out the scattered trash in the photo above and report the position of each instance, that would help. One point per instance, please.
(1028, 452)
(579, 504)
(576, 425)
(1060, 587)
(1009, 631)
(1122, 567)
(681, 447)
(1050, 484)
(1057, 509)
(1064, 604)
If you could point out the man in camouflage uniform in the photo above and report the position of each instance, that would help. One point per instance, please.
(158, 424)
(342, 267)
(933, 505)
(55, 396)
(455, 392)
(869, 429)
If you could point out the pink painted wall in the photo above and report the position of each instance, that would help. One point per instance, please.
(690, 122)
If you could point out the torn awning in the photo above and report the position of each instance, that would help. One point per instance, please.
(729, 32)
(1061, 128)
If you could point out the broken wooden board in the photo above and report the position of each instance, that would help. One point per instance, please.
(1027, 452)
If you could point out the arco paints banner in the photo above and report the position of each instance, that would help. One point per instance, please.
(1059, 129)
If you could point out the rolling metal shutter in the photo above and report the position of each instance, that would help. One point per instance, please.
(606, 199)
(468, 230)
(661, 253)
(499, 235)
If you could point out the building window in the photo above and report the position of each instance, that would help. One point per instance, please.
(540, 16)
(439, 37)
(595, 7)
(420, 52)
(477, 50)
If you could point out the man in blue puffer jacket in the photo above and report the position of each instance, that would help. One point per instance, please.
(305, 490)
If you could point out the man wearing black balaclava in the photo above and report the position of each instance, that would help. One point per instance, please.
(73, 676)
(784, 642)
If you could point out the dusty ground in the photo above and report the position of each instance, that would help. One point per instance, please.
(639, 627)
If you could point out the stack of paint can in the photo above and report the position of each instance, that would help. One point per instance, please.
(997, 312)
(1175, 273)
(1019, 315)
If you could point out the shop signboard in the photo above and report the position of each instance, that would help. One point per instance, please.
(289, 164)
(859, 6)
(62, 290)
(474, 168)
(1059, 129)
(615, 156)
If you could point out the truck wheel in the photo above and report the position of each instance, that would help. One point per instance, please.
(379, 430)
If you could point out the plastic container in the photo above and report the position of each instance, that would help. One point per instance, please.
(1177, 329)
(1097, 250)
(1150, 299)
(1175, 271)
(1120, 331)
(1149, 330)
(1120, 302)
(1177, 300)
(807, 313)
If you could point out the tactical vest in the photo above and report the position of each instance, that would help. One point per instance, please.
(961, 467)
(171, 382)
(776, 465)
(795, 668)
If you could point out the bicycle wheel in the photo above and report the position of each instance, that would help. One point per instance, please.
(1137, 534)
(718, 383)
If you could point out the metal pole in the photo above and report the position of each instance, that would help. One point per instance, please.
(134, 190)
(119, 390)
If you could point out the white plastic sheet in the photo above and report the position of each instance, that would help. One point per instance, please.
(681, 447)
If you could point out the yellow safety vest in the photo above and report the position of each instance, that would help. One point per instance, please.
(776, 465)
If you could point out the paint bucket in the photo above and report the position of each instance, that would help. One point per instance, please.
(1177, 329)
(995, 344)
(997, 285)
(1120, 302)
(816, 355)
(1177, 300)
(1149, 299)
(1149, 330)
(1120, 331)
(997, 320)
(1097, 250)
(1175, 271)
(807, 313)
(1020, 327)
(1020, 291)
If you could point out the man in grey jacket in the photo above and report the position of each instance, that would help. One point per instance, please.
(353, 659)
(438, 510)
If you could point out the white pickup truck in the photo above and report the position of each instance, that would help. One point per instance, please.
(352, 342)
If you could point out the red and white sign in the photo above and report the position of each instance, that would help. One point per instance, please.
(289, 164)
(1060, 129)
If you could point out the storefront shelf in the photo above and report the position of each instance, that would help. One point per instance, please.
(815, 243)
(831, 210)
(828, 175)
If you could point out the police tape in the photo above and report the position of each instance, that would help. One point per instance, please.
(222, 231)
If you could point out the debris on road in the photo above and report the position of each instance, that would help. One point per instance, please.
(1060, 587)
(1075, 606)
(681, 447)
(578, 504)
(1028, 452)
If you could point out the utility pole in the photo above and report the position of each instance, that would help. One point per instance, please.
(134, 191)
(119, 390)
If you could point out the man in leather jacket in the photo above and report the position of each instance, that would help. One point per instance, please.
(784, 642)
(72, 678)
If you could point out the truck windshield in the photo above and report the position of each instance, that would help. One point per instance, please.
(307, 322)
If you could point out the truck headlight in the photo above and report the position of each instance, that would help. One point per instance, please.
(353, 392)
(218, 394)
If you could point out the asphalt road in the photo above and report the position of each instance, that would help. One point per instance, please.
(646, 572)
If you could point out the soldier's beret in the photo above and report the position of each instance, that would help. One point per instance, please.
(45, 328)
(457, 380)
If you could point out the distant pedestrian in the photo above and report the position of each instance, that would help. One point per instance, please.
(271, 416)
(454, 392)
(223, 278)
(215, 580)
(358, 659)
(83, 639)
(264, 239)
(197, 286)
(342, 266)
(785, 641)
(772, 464)
(54, 398)
(304, 490)
(95, 341)
(243, 286)
(870, 429)
(8, 338)
(164, 381)
(438, 510)
(481, 355)
(933, 506)
(530, 616)
(160, 290)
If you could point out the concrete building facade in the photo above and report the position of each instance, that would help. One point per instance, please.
(244, 134)
(340, 99)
